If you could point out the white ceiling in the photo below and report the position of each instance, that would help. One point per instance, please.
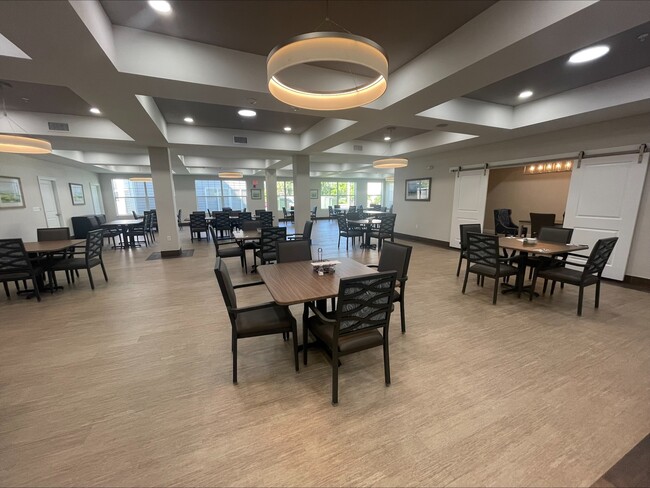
(454, 87)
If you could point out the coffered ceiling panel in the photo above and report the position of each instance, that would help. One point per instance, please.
(33, 97)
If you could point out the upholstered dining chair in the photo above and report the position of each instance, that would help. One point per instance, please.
(255, 320)
(346, 231)
(539, 220)
(266, 219)
(360, 321)
(560, 235)
(198, 225)
(386, 229)
(15, 266)
(305, 235)
(268, 239)
(396, 257)
(464, 230)
(92, 257)
(290, 251)
(484, 260)
(221, 223)
(228, 248)
(503, 223)
(591, 272)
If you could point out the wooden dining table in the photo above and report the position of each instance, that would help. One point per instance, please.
(366, 224)
(124, 225)
(539, 248)
(48, 248)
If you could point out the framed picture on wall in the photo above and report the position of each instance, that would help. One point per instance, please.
(11, 193)
(256, 194)
(418, 190)
(313, 194)
(77, 192)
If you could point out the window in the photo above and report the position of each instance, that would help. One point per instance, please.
(337, 193)
(133, 196)
(374, 193)
(285, 194)
(216, 194)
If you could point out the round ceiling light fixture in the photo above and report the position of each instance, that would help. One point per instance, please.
(188, 119)
(287, 129)
(331, 47)
(23, 145)
(231, 174)
(161, 6)
(589, 54)
(95, 110)
(389, 163)
(246, 112)
(526, 94)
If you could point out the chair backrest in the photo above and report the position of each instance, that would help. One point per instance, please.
(53, 234)
(395, 257)
(197, 221)
(221, 220)
(352, 208)
(249, 225)
(330, 209)
(306, 231)
(284, 212)
(343, 222)
(266, 218)
(364, 302)
(314, 212)
(353, 215)
(560, 235)
(599, 256)
(13, 257)
(94, 243)
(290, 251)
(387, 225)
(483, 249)
(135, 215)
(464, 230)
(259, 211)
(539, 220)
(179, 217)
(225, 284)
(503, 223)
(271, 235)
(154, 218)
(226, 209)
(245, 216)
(101, 219)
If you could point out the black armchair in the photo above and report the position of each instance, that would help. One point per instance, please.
(15, 265)
(269, 237)
(228, 248)
(92, 257)
(464, 230)
(503, 223)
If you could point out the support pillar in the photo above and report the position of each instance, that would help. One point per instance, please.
(301, 187)
(163, 187)
(271, 178)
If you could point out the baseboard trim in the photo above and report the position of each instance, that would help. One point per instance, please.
(424, 240)
(171, 254)
(635, 282)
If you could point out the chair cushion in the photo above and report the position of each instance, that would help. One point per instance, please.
(348, 343)
(74, 263)
(229, 252)
(566, 275)
(266, 256)
(483, 269)
(268, 320)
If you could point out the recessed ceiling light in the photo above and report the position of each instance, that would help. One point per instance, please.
(246, 112)
(95, 111)
(526, 94)
(189, 120)
(589, 54)
(386, 137)
(161, 6)
(287, 129)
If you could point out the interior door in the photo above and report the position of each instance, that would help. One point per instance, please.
(470, 193)
(96, 195)
(50, 202)
(604, 196)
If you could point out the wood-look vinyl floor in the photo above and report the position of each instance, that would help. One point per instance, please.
(130, 385)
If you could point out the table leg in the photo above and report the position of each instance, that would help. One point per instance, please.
(366, 244)
(521, 277)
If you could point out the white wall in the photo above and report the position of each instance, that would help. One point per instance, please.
(23, 222)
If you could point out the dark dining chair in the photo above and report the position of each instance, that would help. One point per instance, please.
(560, 235)
(290, 251)
(346, 231)
(15, 266)
(92, 257)
(464, 230)
(228, 248)
(386, 230)
(503, 223)
(198, 225)
(269, 237)
(484, 260)
(313, 214)
(142, 229)
(396, 257)
(591, 272)
(539, 220)
(221, 223)
(266, 219)
(254, 320)
(55, 234)
(305, 235)
(360, 321)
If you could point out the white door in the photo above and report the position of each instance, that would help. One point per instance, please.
(96, 195)
(50, 202)
(470, 193)
(604, 196)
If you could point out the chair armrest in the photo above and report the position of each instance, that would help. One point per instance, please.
(575, 254)
(253, 307)
(372, 265)
(245, 285)
(319, 314)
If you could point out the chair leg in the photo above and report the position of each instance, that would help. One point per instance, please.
(532, 286)
(386, 360)
(347, 243)
(6, 289)
(234, 357)
(465, 281)
(36, 291)
(460, 261)
(496, 290)
(580, 297)
(339, 246)
(597, 294)
(402, 315)
(553, 287)
(294, 333)
(103, 270)
(545, 286)
(90, 278)
(305, 333)
(335, 375)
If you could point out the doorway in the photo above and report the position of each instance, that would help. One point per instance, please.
(50, 199)
(96, 195)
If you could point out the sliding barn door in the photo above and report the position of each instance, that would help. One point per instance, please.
(470, 193)
(603, 201)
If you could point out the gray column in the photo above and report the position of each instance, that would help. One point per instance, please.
(272, 192)
(163, 187)
(301, 182)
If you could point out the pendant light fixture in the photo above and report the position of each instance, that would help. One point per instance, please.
(390, 163)
(10, 143)
(231, 174)
(337, 47)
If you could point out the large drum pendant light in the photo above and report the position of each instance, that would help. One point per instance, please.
(327, 47)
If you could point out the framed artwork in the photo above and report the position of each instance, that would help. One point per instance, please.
(313, 194)
(256, 194)
(77, 192)
(418, 190)
(11, 193)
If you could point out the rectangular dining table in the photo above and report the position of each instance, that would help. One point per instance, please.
(124, 225)
(48, 248)
(367, 229)
(539, 248)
